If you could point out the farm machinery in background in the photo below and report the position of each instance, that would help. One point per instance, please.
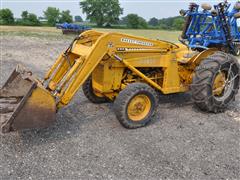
(212, 27)
(68, 28)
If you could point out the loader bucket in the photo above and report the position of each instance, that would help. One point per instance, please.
(25, 103)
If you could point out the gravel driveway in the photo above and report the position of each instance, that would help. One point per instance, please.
(87, 141)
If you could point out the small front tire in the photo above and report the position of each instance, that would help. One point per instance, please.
(135, 105)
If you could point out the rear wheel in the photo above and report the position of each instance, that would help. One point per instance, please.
(90, 94)
(135, 105)
(216, 82)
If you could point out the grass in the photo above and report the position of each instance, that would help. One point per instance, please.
(53, 33)
(29, 31)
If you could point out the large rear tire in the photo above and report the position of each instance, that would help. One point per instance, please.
(135, 105)
(216, 82)
(90, 94)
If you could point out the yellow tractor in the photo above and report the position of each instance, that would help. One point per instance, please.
(127, 70)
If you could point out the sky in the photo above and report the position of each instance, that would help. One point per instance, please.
(144, 8)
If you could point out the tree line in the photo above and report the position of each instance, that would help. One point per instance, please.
(101, 13)
(52, 16)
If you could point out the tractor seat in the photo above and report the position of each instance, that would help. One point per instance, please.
(206, 6)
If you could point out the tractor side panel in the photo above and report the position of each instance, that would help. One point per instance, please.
(106, 78)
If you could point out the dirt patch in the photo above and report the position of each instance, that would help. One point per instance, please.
(87, 141)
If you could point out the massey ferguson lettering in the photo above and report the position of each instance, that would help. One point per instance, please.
(133, 41)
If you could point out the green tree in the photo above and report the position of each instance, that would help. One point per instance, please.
(153, 21)
(24, 15)
(171, 23)
(33, 20)
(134, 21)
(102, 11)
(6, 16)
(52, 15)
(142, 23)
(166, 23)
(29, 19)
(78, 19)
(65, 16)
(178, 23)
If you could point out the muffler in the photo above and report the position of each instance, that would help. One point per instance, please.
(25, 103)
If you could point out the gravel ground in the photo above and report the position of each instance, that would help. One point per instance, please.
(87, 142)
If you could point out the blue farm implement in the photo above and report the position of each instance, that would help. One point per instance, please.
(68, 28)
(209, 26)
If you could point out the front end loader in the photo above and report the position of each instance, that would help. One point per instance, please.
(127, 70)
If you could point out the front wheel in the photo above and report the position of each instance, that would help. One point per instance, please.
(215, 82)
(135, 105)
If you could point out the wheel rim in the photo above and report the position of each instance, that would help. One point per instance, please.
(139, 107)
(219, 83)
(223, 85)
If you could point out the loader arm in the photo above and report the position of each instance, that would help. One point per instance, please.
(74, 66)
